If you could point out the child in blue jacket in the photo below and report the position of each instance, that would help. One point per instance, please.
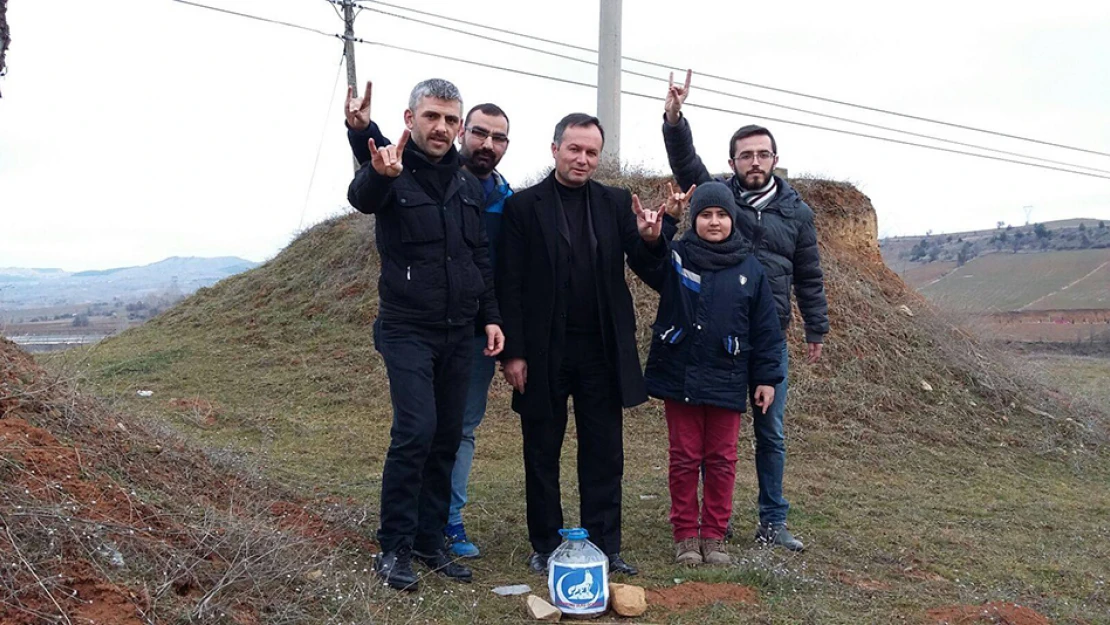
(717, 331)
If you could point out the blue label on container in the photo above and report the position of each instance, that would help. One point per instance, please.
(579, 588)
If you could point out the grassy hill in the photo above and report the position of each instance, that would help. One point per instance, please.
(926, 473)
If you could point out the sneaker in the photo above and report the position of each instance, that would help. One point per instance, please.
(713, 551)
(776, 534)
(458, 544)
(395, 569)
(439, 562)
(688, 552)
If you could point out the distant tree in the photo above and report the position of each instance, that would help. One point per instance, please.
(1009, 228)
(966, 253)
(1019, 235)
(1042, 232)
(1084, 240)
(1000, 224)
(934, 253)
(80, 321)
(1004, 237)
(948, 239)
(1102, 225)
(1082, 227)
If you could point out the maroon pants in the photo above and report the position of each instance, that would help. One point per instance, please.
(701, 436)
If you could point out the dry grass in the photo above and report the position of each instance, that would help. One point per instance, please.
(989, 487)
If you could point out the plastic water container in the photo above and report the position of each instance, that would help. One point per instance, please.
(578, 576)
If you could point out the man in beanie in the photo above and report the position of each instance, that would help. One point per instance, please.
(771, 213)
(716, 333)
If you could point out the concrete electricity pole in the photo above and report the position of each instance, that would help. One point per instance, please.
(609, 79)
(349, 50)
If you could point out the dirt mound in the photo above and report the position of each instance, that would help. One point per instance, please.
(994, 613)
(691, 595)
(109, 522)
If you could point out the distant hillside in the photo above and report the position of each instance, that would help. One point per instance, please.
(24, 288)
(909, 256)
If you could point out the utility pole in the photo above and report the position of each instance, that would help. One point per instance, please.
(349, 50)
(1028, 212)
(609, 79)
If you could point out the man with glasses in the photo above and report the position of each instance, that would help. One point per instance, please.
(775, 218)
(483, 140)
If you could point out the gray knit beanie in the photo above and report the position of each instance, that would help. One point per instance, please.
(713, 194)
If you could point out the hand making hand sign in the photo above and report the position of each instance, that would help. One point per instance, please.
(675, 97)
(387, 161)
(648, 222)
(677, 201)
(358, 109)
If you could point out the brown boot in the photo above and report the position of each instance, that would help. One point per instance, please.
(687, 552)
(713, 551)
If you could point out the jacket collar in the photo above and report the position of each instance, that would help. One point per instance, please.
(784, 201)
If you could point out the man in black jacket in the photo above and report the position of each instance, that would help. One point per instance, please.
(570, 330)
(772, 213)
(436, 278)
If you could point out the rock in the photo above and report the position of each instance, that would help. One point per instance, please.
(542, 610)
(508, 591)
(905, 310)
(627, 600)
(926, 386)
(314, 575)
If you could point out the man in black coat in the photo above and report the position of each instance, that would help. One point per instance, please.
(772, 213)
(570, 331)
(436, 278)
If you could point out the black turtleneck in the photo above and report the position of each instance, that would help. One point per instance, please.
(583, 316)
(432, 177)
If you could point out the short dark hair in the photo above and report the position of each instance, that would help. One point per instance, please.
(750, 130)
(577, 119)
(486, 109)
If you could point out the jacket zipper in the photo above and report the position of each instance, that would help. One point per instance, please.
(408, 272)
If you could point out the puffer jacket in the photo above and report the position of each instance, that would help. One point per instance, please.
(716, 333)
(784, 229)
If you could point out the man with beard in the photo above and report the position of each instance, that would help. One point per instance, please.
(436, 280)
(483, 140)
(570, 331)
(773, 215)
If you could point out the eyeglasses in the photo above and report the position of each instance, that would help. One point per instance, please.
(483, 134)
(747, 157)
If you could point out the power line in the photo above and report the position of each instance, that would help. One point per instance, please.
(650, 97)
(320, 145)
(255, 17)
(736, 96)
(745, 83)
(729, 111)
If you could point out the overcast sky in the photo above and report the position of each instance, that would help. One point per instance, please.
(134, 130)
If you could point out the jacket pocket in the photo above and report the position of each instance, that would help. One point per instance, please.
(736, 347)
(667, 334)
(472, 221)
(421, 222)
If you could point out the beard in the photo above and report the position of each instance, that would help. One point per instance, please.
(480, 162)
(753, 179)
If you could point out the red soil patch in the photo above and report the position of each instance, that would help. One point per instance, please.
(206, 411)
(299, 519)
(691, 595)
(995, 613)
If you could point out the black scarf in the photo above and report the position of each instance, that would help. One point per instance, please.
(715, 256)
(433, 177)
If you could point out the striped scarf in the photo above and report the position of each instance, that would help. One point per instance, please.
(760, 198)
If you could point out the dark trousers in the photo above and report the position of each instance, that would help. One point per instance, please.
(585, 375)
(428, 373)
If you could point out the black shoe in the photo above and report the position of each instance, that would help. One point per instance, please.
(537, 562)
(439, 562)
(618, 565)
(395, 569)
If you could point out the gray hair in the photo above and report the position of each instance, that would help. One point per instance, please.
(434, 88)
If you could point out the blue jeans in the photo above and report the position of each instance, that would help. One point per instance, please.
(770, 451)
(477, 391)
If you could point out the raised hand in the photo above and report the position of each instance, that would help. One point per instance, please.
(677, 201)
(648, 222)
(358, 109)
(675, 97)
(387, 161)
